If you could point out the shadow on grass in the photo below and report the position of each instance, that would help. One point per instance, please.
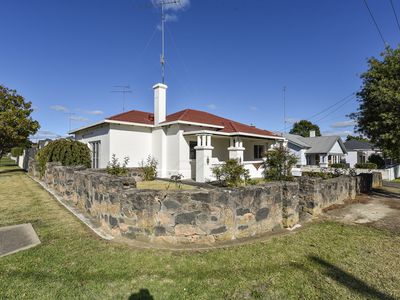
(12, 171)
(143, 294)
(386, 193)
(348, 280)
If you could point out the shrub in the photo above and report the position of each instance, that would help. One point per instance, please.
(115, 168)
(65, 151)
(366, 166)
(377, 159)
(17, 151)
(148, 169)
(232, 173)
(339, 166)
(278, 164)
(323, 175)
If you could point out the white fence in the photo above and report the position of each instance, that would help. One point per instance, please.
(390, 173)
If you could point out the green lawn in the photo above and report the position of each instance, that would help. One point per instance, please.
(396, 180)
(324, 261)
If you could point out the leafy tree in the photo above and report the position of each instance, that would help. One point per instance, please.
(377, 159)
(278, 164)
(304, 127)
(16, 123)
(232, 173)
(357, 138)
(67, 152)
(378, 115)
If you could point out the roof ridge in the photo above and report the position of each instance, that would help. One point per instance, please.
(129, 111)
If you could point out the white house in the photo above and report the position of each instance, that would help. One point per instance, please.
(188, 142)
(359, 152)
(316, 150)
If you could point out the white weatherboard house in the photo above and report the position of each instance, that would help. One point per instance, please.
(316, 150)
(359, 152)
(188, 142)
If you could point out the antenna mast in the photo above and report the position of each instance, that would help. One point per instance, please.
(122, 89)
(162, 4)
(284, 109)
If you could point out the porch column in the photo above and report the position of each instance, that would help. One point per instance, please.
(323, 161)
(203, 157)
(236, 149)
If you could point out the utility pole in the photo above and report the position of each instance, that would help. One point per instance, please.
(122, 89)
(284, 109)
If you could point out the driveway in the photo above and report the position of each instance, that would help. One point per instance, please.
(380, 209)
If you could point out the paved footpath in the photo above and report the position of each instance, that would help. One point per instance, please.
(16, 238)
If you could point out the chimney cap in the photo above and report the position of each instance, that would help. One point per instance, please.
(160, 85)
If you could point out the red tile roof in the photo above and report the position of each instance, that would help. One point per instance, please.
(195, 116)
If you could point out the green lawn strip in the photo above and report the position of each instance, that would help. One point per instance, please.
(326, 260)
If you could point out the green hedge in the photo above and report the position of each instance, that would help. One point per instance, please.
(17, 151)
(339, 166)
(67, 152)
(366, 166)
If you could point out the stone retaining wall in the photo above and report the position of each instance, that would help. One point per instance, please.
(201, 216)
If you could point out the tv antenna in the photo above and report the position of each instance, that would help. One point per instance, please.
(162, 4)
(122, 89)
(70, 114)
(284, 109)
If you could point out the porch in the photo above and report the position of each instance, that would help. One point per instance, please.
(324, 159)
(210, 149)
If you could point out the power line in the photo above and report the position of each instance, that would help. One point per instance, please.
(339, 107)
(376, 24)
(395, 14)
(342, 101)
(329, 107)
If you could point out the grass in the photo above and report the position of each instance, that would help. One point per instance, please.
(326, 260)
(163, 185)
(396, 180)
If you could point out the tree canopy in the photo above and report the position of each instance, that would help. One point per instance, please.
(357, 138)
(378, 115)
(304, 127)
(16, 123)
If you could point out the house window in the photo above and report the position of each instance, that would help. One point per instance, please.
(258, 151)
(95, 154)
(192, 144)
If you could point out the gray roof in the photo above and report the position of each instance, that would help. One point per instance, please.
(318, 144)
(357, 145)
(296, 139)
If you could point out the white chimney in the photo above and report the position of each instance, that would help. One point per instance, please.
(312, 133)
(160, 103)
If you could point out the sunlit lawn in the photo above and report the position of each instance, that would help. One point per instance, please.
(324, 261)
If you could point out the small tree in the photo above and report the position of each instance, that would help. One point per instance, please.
(115, 168)
(16, 123)
(278, 163)
(304, 127)
(148, 168)
(377, 159)
(232, 172)
(17, 151)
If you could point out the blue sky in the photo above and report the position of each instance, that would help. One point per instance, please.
(231, 58)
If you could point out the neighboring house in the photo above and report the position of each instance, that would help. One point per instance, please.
(188, 142)
(316, 150)
(359, 152)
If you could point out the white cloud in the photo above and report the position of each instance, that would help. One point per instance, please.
(343, 124)
(45, 134)
(59, 108)
(79, 119)
(212, 106)
(254, 108)
(342, 133)
(94, 112)
(179, 5)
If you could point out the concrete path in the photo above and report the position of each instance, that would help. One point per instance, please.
(16, 238)
(380, 209)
